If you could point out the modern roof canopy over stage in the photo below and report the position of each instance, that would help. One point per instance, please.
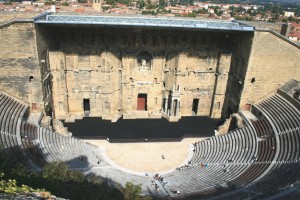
(163, 22)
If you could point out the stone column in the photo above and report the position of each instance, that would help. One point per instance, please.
(171, 107)
(177, 107)
(166, 105)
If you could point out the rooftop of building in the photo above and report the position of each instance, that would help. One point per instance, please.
(139, 21)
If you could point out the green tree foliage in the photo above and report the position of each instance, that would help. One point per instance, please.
(162, 4)
(104, 8)
(173, 2)
(65, 3)
(7, 3)
(186, 2)
(10, 186)
(141, 4)
(181, 2)
(82, 1)
(113, 2)
(246, 18)
(56, 171)
(151, 6)
(149, 12)
(190, 15)
(57, 178)
(132, 192)
(164, 11)
(49, 3)
(201, 11)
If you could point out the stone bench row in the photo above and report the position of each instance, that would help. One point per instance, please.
(263, 128)
(11, 114)
(216, 149)
(12, 151)
(54, 147)
(223, 154)
(282, 114)
(261, 161)
(285, 170)
(212, 150)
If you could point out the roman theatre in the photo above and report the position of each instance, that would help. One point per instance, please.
(136, 95)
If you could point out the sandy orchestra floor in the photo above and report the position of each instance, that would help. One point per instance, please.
(147, 157)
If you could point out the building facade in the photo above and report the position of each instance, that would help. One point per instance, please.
(70, 70)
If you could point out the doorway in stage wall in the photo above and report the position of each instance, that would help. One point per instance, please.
(195, 106)
(86, 107)
(142, 102)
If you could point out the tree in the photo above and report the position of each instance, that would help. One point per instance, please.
(110, 2)
(133, 192)
(49, 3)
(240, 9)
(150, 6)
(141, 4)
(10, 186)
(65, 4)
(173, 3)
(162, 4)
(56, 171)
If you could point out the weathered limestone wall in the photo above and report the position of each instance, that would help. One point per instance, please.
(18, 62)
(43, 57)
(6, 16)
(112, 67)
(221, 81)
(273, 62)
(241, 45)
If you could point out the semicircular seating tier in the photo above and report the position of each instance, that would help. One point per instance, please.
(258, 160)
(34, 145)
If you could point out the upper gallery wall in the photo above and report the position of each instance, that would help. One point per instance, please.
(20, 74)
(274, 60)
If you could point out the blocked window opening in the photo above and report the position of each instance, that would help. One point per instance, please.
(30, 78)
(253, 80)
(61, 106)
(175, 107)
(164, 104)
(106, 106)
(195, 106)
(142, 102)
(86, 105)
(218, 105)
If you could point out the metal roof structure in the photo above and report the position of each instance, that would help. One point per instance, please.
(49, 18)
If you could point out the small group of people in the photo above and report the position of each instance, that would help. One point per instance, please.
(156, 186)
(182, 167)
(204, 165)
(158, 177)
(175, 191)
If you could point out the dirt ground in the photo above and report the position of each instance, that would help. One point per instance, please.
(147, 157)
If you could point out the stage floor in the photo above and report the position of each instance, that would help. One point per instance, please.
(141, 129)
